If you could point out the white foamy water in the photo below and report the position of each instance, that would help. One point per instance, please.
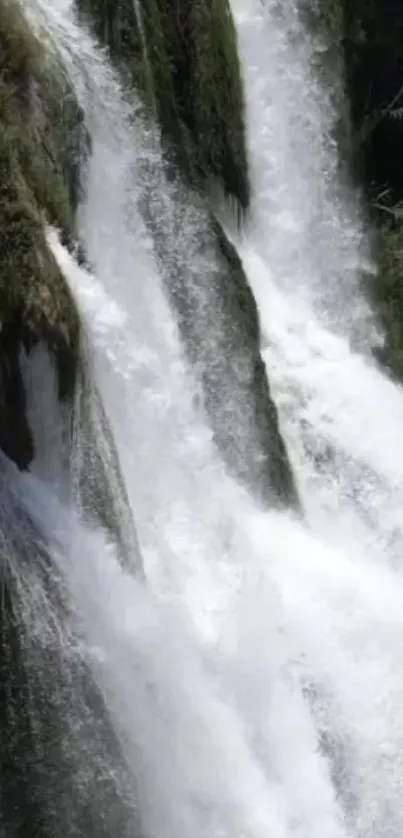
(315, 240)
(303, 257)
(257, 683)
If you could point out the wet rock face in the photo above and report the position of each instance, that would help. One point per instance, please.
(44, 142)
(225, 341)
(183, 59)
(61, 768)
(97, 482)
(219, 326)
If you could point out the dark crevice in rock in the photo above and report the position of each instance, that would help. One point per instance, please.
(15, 434)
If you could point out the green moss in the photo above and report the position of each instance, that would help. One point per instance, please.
(183, 60)
(38, 182)
(39, 112)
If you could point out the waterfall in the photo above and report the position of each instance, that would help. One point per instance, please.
(250, 685)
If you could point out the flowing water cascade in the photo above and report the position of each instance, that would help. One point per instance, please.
(252, 684)
(311, 309)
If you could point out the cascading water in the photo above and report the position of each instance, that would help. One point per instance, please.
(255, 682)
(315, 244)
(308, 296)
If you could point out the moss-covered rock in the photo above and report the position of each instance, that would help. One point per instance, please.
(219, 326)
(38, 180)
(42, 137)
(183, 59)
(43, 143)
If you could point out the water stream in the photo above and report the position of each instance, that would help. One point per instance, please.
(255, 682)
